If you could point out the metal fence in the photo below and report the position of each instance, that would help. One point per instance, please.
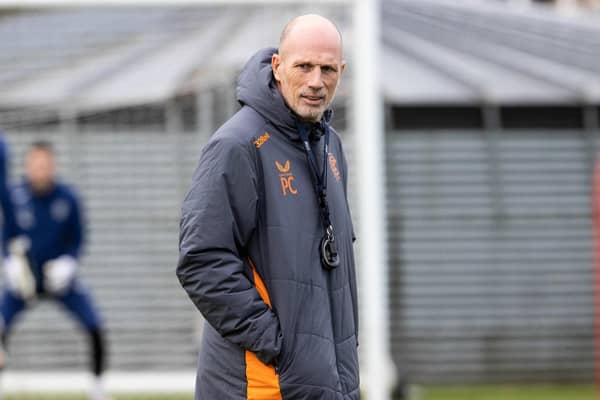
(489, 238)
(132, 185)
(492, 272)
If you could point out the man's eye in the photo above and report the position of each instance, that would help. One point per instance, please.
(327, 69)
(304, 67)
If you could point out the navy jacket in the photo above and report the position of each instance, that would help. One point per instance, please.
(52, 222)
(9, 228)
(279, 325)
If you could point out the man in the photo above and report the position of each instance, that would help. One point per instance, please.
(41, 259)
(8, 220)
(266, 236)
(9, 229)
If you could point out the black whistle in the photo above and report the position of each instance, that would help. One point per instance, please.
(330, 258)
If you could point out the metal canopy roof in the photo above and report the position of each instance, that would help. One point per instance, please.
(494, 53)
(434, 52)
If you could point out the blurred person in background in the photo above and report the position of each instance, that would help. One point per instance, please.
(7, 211)
(266, 241)
(9, 229)
(42, 254)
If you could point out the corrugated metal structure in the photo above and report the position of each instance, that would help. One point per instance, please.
(492, 114)
(490, 223)
(132, 186)
(478, 52)
(490, 229)
(492, 275)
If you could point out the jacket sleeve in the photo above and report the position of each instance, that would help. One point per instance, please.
(218, 218)
(75, 228)
(9, 225)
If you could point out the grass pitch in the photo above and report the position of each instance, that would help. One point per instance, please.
(30, 396)
(487, 392)
(509, 392)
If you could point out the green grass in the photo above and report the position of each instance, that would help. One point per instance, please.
(509, 392)
(497, 392)
(82, 397)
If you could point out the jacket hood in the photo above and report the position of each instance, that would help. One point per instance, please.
(256, 88)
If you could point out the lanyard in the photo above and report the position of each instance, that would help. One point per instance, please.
(328, 249)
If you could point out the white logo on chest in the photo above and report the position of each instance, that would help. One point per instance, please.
(25, 218)
(59, 210)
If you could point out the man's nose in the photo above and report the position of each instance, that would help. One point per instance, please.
(314, 79)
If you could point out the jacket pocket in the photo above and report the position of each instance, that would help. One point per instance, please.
(285, 358)
(311, 362)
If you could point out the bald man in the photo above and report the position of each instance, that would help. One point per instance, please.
(266, 240)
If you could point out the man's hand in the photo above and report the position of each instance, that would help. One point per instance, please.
(19, 277)
(59, 273)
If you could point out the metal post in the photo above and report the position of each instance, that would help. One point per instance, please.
(596, 225)
(369, 144)
(70, 138)
(492, 125)
(204, 113)
(174, 128)
(230, 98)
(591, 130)
(173, 118)
(520, 3)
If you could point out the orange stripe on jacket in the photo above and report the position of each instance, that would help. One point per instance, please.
(263, 381)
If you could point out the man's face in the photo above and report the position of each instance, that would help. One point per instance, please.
(307, 71)
(40, 169)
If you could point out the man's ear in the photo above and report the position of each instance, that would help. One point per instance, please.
(342, 67)
(275, 64)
